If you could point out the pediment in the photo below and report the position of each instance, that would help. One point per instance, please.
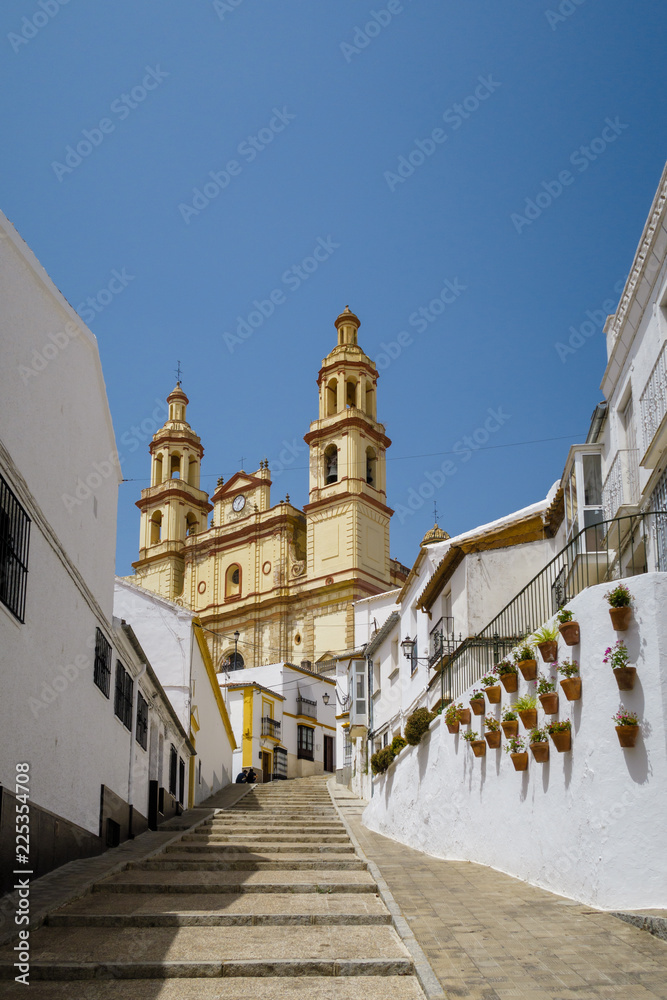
(240, 482)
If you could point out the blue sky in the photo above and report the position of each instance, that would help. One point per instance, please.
(334, 125)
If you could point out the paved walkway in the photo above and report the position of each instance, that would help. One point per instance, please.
(489, 936)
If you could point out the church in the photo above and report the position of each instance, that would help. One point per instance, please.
(274, 582)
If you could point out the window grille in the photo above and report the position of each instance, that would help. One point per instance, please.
(173, 761)
(305, 743)
(142, 721)
(122, 704)
(102, 669)
(181, 780)
(14, 539)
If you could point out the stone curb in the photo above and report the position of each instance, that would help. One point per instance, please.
(645, 922)
(82, 882)
(428, 980)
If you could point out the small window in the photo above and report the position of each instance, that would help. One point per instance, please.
(233, 581)
(102, 668)
(371, 467)
(122, 704)
(331, 464)
(305, 743)
(173, 763)
(14, 539)
(181, 780)
(142, 721)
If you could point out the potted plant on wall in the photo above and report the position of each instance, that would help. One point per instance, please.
(452, 717)
(478, 746)
(492, 734)
(561, 734)
(510, 723)
(571, 683)
(491, 687)
(627, 727)
(526, 707)
(464, 715)
(618, 657)
(477, 702)
(548, 695)
(539, 745)
(620, 610)
(568, 628)
(508, 675)
(546, 640)
(526, 662)
(516, 748)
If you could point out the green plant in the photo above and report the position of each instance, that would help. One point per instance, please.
(452, 713)
(625, 718)
(524, 652)
(381, 760)
(417, 724)
(567, 668)
(489, 680)
(617, 655)
(492, 724)
(476, 694)
(559, 727)
(470, 736)
(397, 745)
(544, 685)
(538, 736)
(506, 667)
(619, 596)
(564, 616)
(525, 703)
(516, 744)
(509, 715)
(548, 633)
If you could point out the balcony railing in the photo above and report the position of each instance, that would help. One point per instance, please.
(653, 400)
(442, 641)
(304, 706)
(627, 546)
(270, 727)
(622, 483)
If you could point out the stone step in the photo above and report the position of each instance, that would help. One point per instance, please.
(241, 988)
(255, 862)
(209, 844)
(157, 952)
(322, 842)
(276, 826)
(203, 881)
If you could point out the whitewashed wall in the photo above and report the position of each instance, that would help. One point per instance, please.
(591, 824)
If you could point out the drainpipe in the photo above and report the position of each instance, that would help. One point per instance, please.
(370, 716)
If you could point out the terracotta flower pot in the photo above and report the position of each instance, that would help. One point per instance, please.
(562, 740)
(493, 694)
(510, 682)
(478, 748)
(570, 633)
(627, 735)
(528, 668)
(520, 761)
(572, 688)
(510, 728)
(625, 678)
(493, 739)
(550, 703)
(528, 717)
(540, 751)
(464, 716)
(621, 618)
(548, 650)
(453, 727)
(478, 706)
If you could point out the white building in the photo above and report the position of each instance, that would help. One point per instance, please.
(175, 642)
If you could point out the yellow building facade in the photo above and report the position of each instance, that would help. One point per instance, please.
(283, 578)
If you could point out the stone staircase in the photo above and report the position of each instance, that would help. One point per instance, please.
(266, 900)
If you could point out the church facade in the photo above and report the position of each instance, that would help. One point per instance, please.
(283, 578)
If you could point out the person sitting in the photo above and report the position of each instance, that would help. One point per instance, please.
(251, 776)
(241, 778)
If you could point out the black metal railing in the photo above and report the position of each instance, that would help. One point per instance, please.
(270, 727)
(304, 706)
(623, 547)
(442, 641)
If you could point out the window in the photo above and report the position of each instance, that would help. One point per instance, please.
(14, 538)
(175, 467)
(191, 524)
(371, 467)
(122, 703)
(142, 721)
(181, 780)
(233, 661)
(331, 464)
(173, 760)
(156, 528)
(304, 750)
(233, 581)
(102, 669)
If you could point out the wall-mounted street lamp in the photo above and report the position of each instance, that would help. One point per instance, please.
(326, 698)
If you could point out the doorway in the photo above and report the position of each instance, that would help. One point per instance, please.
(329, 764)
(266, 765)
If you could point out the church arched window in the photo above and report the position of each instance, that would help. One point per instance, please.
(351, 393)
(191, 524)
(157, 470)
(192, 471)
(232, 661)
(156, 528)
(331, 395)
(331, 464)
(371, 467)
(233, 581)
(175, 466)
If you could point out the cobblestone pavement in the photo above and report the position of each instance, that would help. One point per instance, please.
(489, 936)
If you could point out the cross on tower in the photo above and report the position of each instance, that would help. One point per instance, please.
(242, 460)
(179, 372)
(435, 511)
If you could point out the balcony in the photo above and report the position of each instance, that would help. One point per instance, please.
(442, 641)
(271, 728)
(304, 706)
(621, 487)
(653, 405)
